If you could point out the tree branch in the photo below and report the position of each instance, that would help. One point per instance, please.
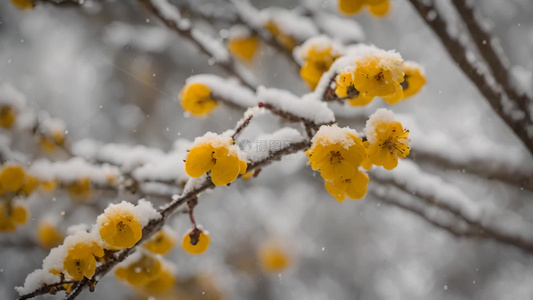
(497, 100)
(227, 65)
(485, 44)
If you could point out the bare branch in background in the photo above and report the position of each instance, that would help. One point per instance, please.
(488, 88)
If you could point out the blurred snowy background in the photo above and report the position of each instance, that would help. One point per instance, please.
(112, 72)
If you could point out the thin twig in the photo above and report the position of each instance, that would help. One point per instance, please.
(489, 232)
(458, 53)
(484, 43)
(475, 167)
(228, 65)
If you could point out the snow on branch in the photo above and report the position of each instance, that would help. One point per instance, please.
(507, 109)
(504, 227)
(226, 90)
(476, 155)
(489, 47)
(191, 191)
(307, 109)
(208, 45)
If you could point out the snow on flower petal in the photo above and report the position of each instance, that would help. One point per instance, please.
(387, 139)
(336, 152)
(119, 226)
(81, 252)
(217, 154)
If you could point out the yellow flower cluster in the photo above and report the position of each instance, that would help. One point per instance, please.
(119, 227)
(378, 8)
(244, 47)
(373, 76)
(11, 216)
(196, 99)
(148, 274)
(318, 59)
(48, 235)
(338, 153)
(15, 180)
(387, 140)
(195, 241)
(287, 41)
(216, 154)
(376, 76)
(81, 259)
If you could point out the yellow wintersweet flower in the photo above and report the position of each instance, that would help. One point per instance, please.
(12, 178)
(80, 188)
(345, 89)
(195, 241)
(387, 140)
(376, 76)
(145, 269)
(273, 257)
(161, 242)
(11, 216)
(48, 235)
(244, 48)
(354, 187)
(336, 152)
(380, 9)
(414, 79)
(392, 143)
(23, 4)
(162, 284)
(350, 7)
(217, 154)
(80, 261)
(119, 228)
(284, 39)
(317, 62)
(196, 98)
(7, 116)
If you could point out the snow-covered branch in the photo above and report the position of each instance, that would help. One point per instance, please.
(490, 48)
(208, 45)
(508, 110)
